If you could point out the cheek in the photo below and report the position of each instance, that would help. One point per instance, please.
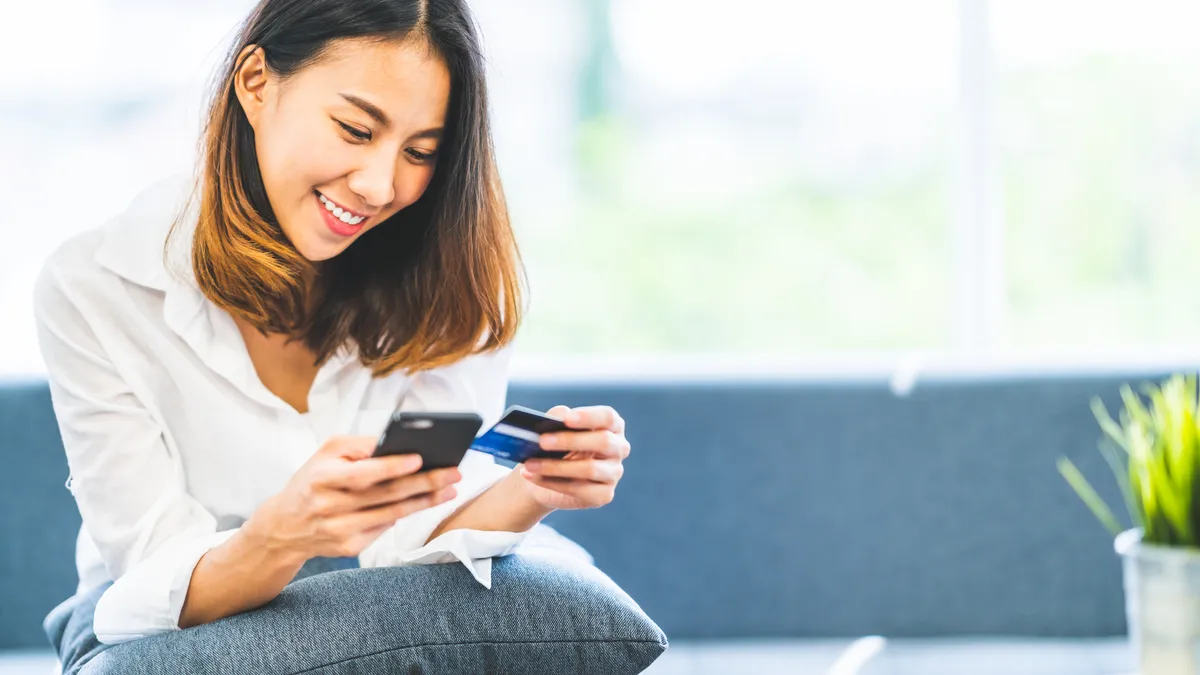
(292, 167)
(413, 183)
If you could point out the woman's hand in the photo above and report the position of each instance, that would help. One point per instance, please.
(343, 499)
(587, 476)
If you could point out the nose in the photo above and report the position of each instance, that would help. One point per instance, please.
(375, 181)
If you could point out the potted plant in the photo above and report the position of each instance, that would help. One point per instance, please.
(1154, 452)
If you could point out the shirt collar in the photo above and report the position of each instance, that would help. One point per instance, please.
(133, 241)
(132, 247)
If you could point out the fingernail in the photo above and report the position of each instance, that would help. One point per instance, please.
(533, 464)
(548, 439)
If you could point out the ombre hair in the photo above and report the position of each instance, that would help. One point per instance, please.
(438, 281)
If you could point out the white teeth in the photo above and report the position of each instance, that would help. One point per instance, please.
(340, 213)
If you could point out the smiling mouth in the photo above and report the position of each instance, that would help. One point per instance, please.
(340, 222)
(340, 212)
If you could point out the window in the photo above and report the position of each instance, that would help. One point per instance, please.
(1099, 129)
(780, 179)
(686, 178)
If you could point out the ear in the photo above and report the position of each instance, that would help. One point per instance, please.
(250, 82)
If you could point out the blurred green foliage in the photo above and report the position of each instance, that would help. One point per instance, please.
(1101, 166)
(1098, 158)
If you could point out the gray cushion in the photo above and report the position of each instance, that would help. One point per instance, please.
(548, 614)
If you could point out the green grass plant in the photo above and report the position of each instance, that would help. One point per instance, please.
(1154, 452)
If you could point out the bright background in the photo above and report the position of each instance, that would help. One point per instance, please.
(702, 186)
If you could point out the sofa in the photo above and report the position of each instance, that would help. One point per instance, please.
(779, 518)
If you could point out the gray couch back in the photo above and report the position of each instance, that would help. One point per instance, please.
(792, 508)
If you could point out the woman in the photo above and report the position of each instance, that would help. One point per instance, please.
(223, 355)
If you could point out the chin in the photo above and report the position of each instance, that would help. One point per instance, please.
(316, 248)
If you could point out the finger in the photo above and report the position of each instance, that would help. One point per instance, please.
(589, 493)
(377, 530)
(385, 515)
(583, 469)
(595, 417)
(364, 473)
(601, 443)
(399, 489)
(350, 447)
(558, 411)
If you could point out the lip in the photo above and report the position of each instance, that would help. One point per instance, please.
(334, 224)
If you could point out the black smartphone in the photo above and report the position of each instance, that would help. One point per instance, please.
(440, 438)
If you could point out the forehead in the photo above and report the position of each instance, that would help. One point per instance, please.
(407, 79)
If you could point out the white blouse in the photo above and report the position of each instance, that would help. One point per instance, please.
(172, 439)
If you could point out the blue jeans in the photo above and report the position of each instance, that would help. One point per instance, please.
(69, 626)
(543, 614)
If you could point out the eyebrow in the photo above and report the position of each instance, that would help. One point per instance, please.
(379, 116)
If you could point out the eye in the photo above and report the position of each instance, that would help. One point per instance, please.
(360, 135)
(420, 156)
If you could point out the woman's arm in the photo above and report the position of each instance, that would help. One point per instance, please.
(586, 477)
(337, 504)
(245, 572)
(504, 507)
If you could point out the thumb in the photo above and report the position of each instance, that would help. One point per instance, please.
(558, 411)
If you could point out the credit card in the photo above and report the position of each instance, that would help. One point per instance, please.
(515, 436)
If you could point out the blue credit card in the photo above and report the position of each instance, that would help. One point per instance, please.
(515, 436)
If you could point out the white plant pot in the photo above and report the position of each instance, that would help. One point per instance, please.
(1162, 605)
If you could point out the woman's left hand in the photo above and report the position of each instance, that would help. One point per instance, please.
(587, 475)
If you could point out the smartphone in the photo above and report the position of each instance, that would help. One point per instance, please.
(440, 438)
(515, 436)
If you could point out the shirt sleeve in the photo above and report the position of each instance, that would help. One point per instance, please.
(126, 478)
(478, 383)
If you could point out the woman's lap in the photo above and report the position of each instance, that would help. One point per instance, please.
(69, 626)
(371, 620)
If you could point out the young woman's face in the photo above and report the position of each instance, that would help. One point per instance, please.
(348, 141)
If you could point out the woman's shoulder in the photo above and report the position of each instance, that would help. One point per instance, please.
(128, 245)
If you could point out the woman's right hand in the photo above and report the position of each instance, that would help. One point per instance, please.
(342, 499)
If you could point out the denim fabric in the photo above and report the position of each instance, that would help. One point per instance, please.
(316, 566)
(69, 629)
(544, 614)
(69, 625)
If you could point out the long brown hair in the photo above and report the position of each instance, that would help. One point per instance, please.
(439, 281)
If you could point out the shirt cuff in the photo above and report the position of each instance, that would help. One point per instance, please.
(149, 597)
(473, 548)
(405, 543)
(544, 540)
